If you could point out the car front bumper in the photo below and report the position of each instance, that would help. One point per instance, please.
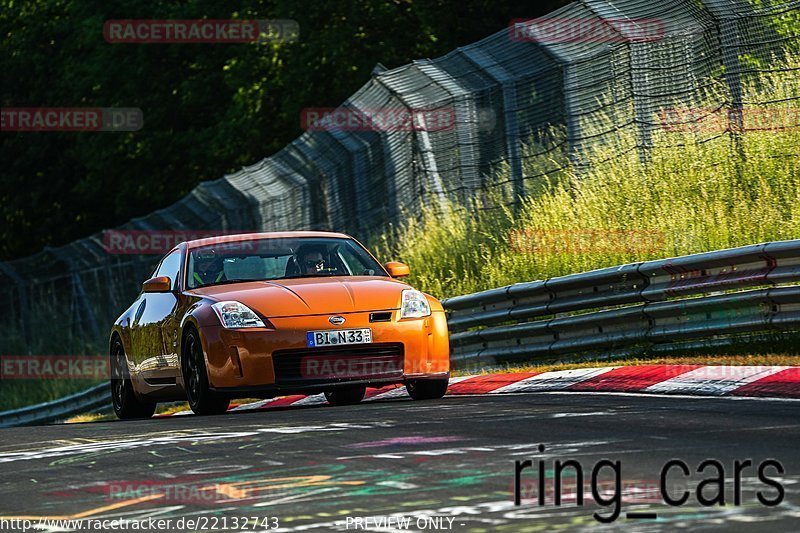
(269, 362)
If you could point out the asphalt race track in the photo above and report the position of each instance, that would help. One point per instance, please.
(442, 465)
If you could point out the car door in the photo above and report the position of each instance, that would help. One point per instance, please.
(153, 354)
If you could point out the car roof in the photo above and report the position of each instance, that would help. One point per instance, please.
(265, 235)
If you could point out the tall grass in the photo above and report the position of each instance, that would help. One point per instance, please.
(19, 392)
(22, 392)
(693, 193)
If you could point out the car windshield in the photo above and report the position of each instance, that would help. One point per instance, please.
(278, 258)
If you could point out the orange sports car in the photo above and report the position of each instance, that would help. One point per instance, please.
(269, 314)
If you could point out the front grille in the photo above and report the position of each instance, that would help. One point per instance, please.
(338, 363)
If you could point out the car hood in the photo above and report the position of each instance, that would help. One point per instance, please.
(311, 296)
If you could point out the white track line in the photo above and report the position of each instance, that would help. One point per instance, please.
(714, 380)
(707, 380)
(694, 397)
(314, 399)
(557, 380)
(400, 392)
(254, 405)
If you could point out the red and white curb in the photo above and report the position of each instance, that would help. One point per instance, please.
(699, 380)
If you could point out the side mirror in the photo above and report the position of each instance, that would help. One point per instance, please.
(157, 284)
(397, 270)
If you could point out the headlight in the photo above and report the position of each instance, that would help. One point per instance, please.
(237, 315)
(415, 305)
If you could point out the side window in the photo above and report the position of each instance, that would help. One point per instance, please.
(171, 266)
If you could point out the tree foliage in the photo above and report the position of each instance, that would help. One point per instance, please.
(208, 108)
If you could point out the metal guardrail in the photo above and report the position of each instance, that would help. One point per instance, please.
(658, 304)
(610, 309)
(59, 409)
(519, 111)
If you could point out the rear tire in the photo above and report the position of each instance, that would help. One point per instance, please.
(202, 400)
(126, 405)
(427, 389)
(345, 396)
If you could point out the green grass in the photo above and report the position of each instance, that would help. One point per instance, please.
(688, 197)
(48, 340)
(18, 393)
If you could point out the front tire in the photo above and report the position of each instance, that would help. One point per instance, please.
(202, 400)
(427, 389)
(126, 405)
(348, 396)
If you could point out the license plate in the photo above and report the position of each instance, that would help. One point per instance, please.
(335, 337)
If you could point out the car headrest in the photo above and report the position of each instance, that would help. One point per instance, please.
(292, 268)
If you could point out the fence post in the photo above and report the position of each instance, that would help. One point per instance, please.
(429, 161)
(725, 15)
(573, 119)
(733, 77)
(22, 291)
(479, 58)
(79, 294)
(637, 57)
(424, 146)
(465, 123)
(569, 80)
(351, 145)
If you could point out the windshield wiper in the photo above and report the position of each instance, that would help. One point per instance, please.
(297, 276)
(228, 281)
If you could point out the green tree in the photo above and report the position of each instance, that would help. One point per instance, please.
(208, 108)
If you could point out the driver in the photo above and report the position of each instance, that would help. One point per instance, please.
(208, 270)
(311, 261)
